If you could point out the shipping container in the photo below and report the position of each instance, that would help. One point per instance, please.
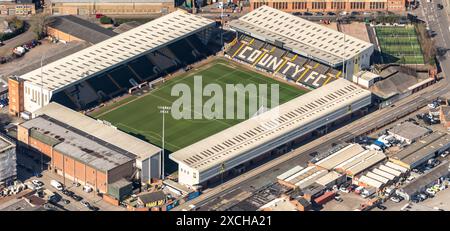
(327, 196)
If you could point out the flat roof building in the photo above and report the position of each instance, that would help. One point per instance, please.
(111, 7)
(422, 150)
(422, 182)
(360, 162)
(254, 137)
(340, 156)
(60, 133)
(8, 170)
(408, 132)
(71, 28)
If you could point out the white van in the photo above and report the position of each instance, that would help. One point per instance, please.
(87, 189)
(56, 185)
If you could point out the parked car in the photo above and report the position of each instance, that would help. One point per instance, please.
(93, 208)
(57, 185)
(396, 199)
(37, 183)
(382, 207)
(85, 203)
(423, 196)
(344, 189)
(87, 189)
(430, 192)
(65, 201)
(76, 197)
(445, 154)
(68, 193)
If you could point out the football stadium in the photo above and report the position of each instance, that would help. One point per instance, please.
(123, 80)
(141, 115)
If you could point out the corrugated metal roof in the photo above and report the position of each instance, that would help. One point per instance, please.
(371, 182)
(383, 173)
(396, 167)
(340, 156)
(117, 50)
(377, 177)
(328, 178)
(290, 172)
(390, 170)
(104, 132)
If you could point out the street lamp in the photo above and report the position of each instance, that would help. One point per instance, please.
(42, 103)
(163, 110)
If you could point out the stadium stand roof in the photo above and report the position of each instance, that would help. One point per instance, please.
(97, 129)
(118, 49)
(302, 36)
(269, 126)
(81, 28)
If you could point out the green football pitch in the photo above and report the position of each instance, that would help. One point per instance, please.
(399, 45)
(141, 117)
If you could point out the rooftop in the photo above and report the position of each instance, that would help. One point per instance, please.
(302, 36)
(340, 156)
(328, 178)
(112, 1)
(419, 183)
(152, 197)
(77, 144)
(361, 162)
(118, 50)
(99, 130)
(422, 148)
(446, 112)
(81, 28)
(409, 131)
(5, 143)
(270, 126)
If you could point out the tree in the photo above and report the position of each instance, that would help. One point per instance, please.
(39, 24)
(106, 20)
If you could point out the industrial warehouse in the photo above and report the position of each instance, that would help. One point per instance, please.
(257, 136)
(86, 151)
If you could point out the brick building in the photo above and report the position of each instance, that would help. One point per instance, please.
(292, 6)
(17, 7)
(86, 151)
(72, 28)
(111, 7)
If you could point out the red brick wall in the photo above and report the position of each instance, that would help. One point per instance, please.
(15, 96)
(44, 148)
(312, 5)
(80, 171)
(57, 160)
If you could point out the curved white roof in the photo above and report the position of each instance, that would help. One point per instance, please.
(118, 49)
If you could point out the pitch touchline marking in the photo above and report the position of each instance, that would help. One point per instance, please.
(156, 135)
